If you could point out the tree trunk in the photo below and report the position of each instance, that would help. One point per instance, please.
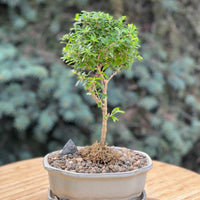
(104, 127)
(104, 115)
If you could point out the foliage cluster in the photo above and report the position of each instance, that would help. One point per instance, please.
(161, 95)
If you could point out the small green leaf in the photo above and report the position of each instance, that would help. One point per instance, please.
(114, 118)
(99, 84)
(77, 16)
(105, 75)
(139, 57)
(103, 96)
(99, 104)
(87, 87)
(121, 111)
(116, 110)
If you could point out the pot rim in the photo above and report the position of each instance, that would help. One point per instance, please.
(48, 167)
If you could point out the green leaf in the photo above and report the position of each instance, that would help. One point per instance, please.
(116, 110)
(114, 118)
(99, 104)
(105, 75)
(99, 84)
(103, 96)
(77, 16)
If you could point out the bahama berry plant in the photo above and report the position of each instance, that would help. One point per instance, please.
(98, 47)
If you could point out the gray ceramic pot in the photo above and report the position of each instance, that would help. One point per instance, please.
(104, 186)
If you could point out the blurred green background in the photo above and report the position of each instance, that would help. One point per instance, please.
(40, 108)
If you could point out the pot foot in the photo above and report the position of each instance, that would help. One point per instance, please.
(51, 196)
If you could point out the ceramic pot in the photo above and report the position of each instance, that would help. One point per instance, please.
(103, 186)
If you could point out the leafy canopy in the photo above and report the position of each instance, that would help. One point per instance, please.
(99, 47)
(96, 38)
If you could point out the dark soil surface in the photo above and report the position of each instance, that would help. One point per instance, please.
(127, 160)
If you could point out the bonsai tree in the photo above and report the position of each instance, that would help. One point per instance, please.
(98, 47)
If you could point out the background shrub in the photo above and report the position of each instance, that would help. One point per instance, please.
(40, 108)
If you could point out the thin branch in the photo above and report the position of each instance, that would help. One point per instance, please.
(95, 97)
(105, 82)
(114, 73)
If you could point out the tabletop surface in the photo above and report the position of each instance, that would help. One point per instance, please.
(27, 180)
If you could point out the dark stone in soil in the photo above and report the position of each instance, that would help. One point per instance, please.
(69, 148)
